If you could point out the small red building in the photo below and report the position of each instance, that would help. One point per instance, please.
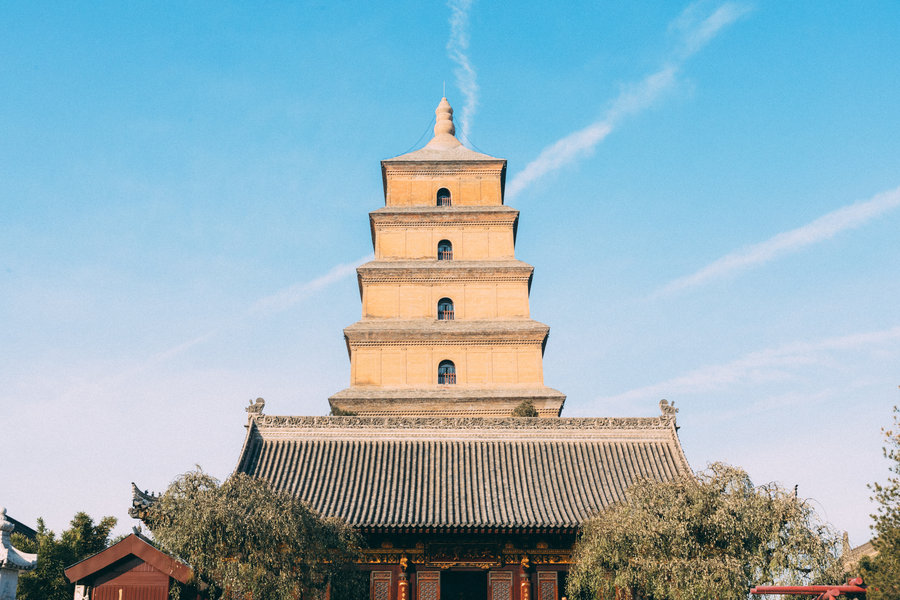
(129, 570)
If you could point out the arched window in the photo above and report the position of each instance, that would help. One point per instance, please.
(445, 250)
(443, 197)
(445, 309)
(446, 372)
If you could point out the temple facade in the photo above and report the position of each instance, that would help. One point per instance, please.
(455, 497)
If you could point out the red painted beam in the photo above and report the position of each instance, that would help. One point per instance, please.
(853, 586)
(805, 589)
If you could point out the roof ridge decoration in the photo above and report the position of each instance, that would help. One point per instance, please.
(462, 423)
(668, 412)
(256, 407)
(141, 501)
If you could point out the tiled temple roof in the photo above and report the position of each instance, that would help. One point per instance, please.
(458, 153)
(408, 473)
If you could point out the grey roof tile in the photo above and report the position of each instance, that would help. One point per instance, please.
(413, 473)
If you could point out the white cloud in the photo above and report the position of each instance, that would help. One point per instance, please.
(772, 364)
(457, 49)
(697, 31)
(823, 228)
(289, 296)
(634, 98)
(266, 306)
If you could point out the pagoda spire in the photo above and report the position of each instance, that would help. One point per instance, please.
(444, 130)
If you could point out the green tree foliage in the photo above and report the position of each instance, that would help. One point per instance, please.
(245, 540)
(525, 409)
(81, 540)
(713, 536)
(337, 412)
(882, 572)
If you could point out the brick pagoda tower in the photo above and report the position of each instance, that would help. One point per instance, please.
(446, 328)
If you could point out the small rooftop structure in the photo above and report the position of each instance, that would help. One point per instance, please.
(12, 560)
(130, 569)
(850, 556)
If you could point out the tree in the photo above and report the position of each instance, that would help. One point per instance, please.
(245, 540)
(525, 409)
(710, 536)
(338, 412)
(48, 581)
(882, 571)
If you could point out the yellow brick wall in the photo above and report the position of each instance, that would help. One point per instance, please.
(471, 242)
(471, 300)
(416, 366)
(465, 190)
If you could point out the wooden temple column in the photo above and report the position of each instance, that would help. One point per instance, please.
(525, 587)
(525, 578)
(403, 583)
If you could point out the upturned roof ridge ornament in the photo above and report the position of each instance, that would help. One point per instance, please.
(256, 407)
(141, 501)
(12, 559)
(667, 410)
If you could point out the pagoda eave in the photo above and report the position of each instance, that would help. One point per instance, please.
(446, 401)
(442, 270)
(444, 332)
(442, 215)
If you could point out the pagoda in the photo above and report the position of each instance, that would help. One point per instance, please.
(446, 327)
(453, 496)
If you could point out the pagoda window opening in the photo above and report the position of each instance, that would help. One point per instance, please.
(443, 197)
(445, 309)
(446, 372)
(445, 250)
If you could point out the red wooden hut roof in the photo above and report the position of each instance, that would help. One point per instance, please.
(133, 545)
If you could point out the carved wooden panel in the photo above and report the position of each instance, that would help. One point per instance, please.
(381, 585)
(547, 587)
(500, 584)
(428, 585)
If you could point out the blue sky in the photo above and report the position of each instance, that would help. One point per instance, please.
(709, 195)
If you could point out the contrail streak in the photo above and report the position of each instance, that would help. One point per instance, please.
(771, 364)
(457, 50)
(633, 99)
(290, 296)
(268, 305)
(825, 227)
